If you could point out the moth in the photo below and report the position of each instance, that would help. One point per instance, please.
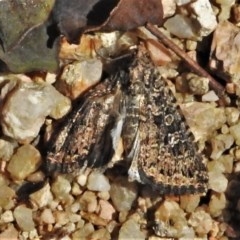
(137, 107)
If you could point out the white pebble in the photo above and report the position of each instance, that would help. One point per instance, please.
(7, 216)
(217, 181)
(47, 216)
(98, 182)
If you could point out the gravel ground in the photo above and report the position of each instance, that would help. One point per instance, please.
(105, 205)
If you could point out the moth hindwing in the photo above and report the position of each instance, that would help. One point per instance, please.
(156, 137)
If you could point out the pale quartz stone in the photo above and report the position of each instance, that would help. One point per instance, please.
(6, 149)
(98, 182)
(169, 7)
(47, 216)
(203, 118)
(123, 194)
(201, 221)
(7, 197)
(197, 85)
(88, 202)
(131, 230)
(61, 187)
(171, 220)
(217, 204)
(82, 180)
(25, 161)
(104, 195)
(224, 56)
(180, 26)
(189, 202)
(24, 112)
(74, 218)
(75, 207)
(61, 218)
(84, 232)
(106, 210)
(79, 76)
(3, 180)
(7, 217)
(182, 2)
(235, 132)
(9, 233)
(205, 16)
(210, 96)
(221, 143)
(42, 197)
(217, 181)
(232, 115)
(23, 216)
(100, 234)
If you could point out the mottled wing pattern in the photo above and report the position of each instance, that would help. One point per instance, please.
(157, 140)
(85, 139)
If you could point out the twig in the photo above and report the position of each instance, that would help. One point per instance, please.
(217, 87)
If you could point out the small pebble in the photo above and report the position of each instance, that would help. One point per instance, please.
(61, 217)
(100, 234)
(123, 194)
(7, 195)
(217, 181)
(84, 232)
(47, 216)
(6, 150)
(189, 202)
(210, 96)
(98, 182)
(82, 180)
(131, 230)
(9, 233)
(88, 202)
(25, 161)
(42, 197)
(7, 217)
(217, 204)
(201, 222)
(104, 195)
(79, 76)
(36, 101)
(232, 115)
(106, 210)
(24, 218)
(61, 187)
(235, 132)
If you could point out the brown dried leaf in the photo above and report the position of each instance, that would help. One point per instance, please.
(130, 14)
(77, 16)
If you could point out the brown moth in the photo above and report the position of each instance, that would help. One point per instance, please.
(137, 107)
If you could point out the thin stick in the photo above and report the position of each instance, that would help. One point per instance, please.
(190, 62)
